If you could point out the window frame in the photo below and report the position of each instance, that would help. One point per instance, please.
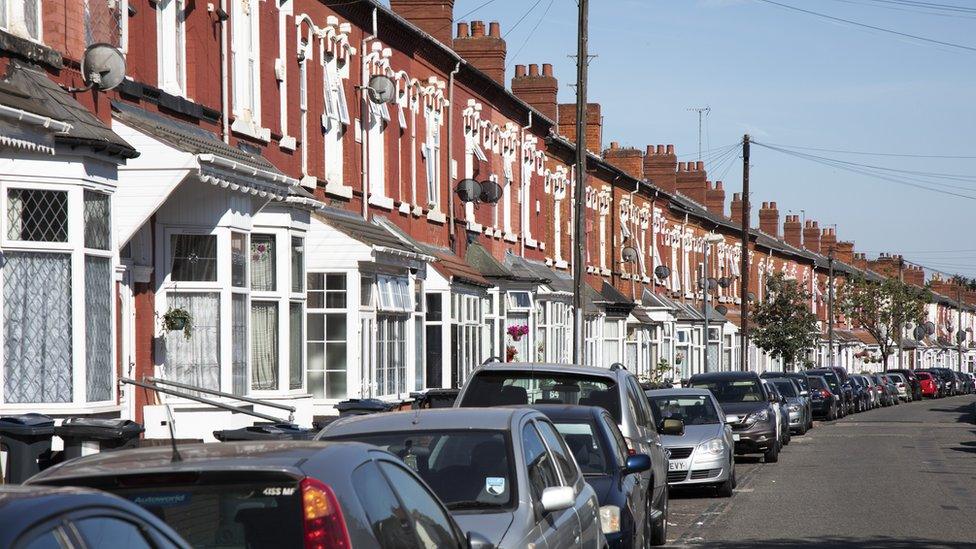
(72, 213)
(326, 312)
(170, 57)
(14, 14)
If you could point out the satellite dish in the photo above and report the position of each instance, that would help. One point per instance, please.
(468, 190)
(662, 272)
(960, 336)
(725, 282)
(930, 328)
(381, 89)
(751, 296)
(712, 283)
(102, 67)
(629, 254)
(491, 192)
(919, 332)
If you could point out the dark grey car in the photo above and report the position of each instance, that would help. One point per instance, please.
(797, 403)
(272, 494)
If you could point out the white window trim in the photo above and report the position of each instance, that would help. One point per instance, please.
(246, 71)
(431, 151)
(16, 22)
(170, 45)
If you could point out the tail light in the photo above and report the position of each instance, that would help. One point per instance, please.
(631, 451)
(324, 525)
(824, 393)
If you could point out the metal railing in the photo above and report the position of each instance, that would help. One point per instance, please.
(251, 400)
(210, 402)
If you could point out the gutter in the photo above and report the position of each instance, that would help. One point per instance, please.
(35, 119)
(403, 253)
(452, 237)
(241, 168)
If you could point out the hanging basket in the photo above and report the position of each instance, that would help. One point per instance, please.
(176, 320)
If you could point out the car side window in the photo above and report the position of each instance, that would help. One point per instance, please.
(538, 462)
(101, 531)
(643, 407)
(558, 447)
(386, 516)
(50, 539)
(431, 522)
(620, 445)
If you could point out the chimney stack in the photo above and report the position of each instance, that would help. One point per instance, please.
(628, 159)
(594, 125)
(859, 260)
(793, 231)
(538, 90)
(769, 219)
(660, 165)
(811, 236)
(844, 252)
(715, 198)
(486, 52)
(691, 180)
(435, 17)
(736, 207)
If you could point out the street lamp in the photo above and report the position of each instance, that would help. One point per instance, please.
(710, 238)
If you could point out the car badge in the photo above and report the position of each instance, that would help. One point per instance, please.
(667, 452)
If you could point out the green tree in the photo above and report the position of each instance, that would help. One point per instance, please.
(882, 308)
(785, 327)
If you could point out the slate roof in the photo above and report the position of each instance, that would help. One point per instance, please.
(186, 137)
(28, 88)
(367, 232)
(450, 266)
(481, 259)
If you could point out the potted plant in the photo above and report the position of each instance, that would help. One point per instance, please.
(516, 331)
(178, 319)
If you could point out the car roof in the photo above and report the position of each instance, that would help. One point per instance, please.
(558, 412)
(492, 419)
(677, 391)
(285, 456)
(549, 368)
(726, 375)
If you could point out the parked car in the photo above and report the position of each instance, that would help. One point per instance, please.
(614, 389)
(799, 377)
(824, 403)
(912, 379)
(595, 441)
(862, 394)
(271, 494)
(927, 385)
(782, 411)
(39, 517)
(797, 403)
(972, 381)
(965, 383)
(749, 409)
(948, 380)
(870, 394)
(904, 388)
(704, 454)
(891, 389)
(505, 471)
(839, 385)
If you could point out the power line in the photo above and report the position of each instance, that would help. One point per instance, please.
(907, 7)
(872, 27)
(866, 153)
(524, 15)
(463, 15)
(531, 33)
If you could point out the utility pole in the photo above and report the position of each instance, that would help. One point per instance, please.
(744, 261)
(579, 250)
(700, 110)
(901, 319)
(830, 303)
(704, 283)
(959, 331)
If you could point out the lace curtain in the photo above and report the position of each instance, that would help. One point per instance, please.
(238, 306)
(98, 328)
(264, 345)
(296, 344)
(195, 361)
(37, 327)
(263, 262)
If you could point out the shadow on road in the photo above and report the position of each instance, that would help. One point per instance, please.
(965, 411)
(851, 543)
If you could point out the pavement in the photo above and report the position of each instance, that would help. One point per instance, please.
(892, 478)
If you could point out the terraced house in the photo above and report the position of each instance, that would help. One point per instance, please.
(328, 245)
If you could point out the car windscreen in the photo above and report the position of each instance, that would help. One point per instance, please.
(832, 380)
(586, 445)
(516, 387)
(227, 516)
(691, 409)
(816, 383)
(732, 390)
(466, 469)
(785, 387)
(896, 378)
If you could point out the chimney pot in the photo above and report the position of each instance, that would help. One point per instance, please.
(670, 149)
(519, 71)
(614, 145)
(494, 29)
(660, 149)
(477, 28)
(547, 69)
(699, 166)
(533, 70)
(682, 166)
(772, 205)
(650, 149)
(718, 185)
(737, 196)
(463, 31)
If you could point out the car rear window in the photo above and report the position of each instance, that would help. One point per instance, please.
(732, 390)
(584, 442)
(513, 388)
(815, 383)
(691, 409)
(785, 387)
(251, 516)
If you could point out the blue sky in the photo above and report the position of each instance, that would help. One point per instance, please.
(785, 78)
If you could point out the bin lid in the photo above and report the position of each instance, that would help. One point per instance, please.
(264, 431)
(98, 428)
(364, 404)
(27, 424)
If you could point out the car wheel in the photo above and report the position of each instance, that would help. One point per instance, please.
(803, 429)
(725, 489)
(772, 455)
(787, 438)
(659, 532)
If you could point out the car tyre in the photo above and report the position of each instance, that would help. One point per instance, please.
(659, 532)
(787, 437)
(772, 455)
(725, 489)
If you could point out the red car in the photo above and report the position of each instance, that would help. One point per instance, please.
(928, 386)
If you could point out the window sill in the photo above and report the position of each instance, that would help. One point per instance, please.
(417, 211)
(474, 227)
(436, 217)
(542, 246)
(605, 272)
(510, 237)
(384, 202)
(562, 264)
(288, 143)
(309, 181)
(404, 208)
(338, 189)
(243, 127)
(531, 242)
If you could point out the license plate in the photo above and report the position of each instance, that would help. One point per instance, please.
(678, 465)
(735, 438)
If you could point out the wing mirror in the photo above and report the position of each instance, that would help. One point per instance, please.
(557, 498)
(674, 427)
(478, 541)
(804, 393)
(637, 463)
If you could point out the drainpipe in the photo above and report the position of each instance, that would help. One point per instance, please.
(452, 237)
(363, 113)
(525, 218)
(224, 99)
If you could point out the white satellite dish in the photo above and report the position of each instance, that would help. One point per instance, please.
(103, 67)
(381, 89)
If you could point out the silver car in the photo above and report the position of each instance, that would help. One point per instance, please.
(506, 470)
(704, 454)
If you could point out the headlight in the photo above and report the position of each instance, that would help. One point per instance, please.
(715, 446)
(761, 415)
(610, 519)
(794, 407)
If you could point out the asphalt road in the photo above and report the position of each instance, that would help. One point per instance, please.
(892, 478)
